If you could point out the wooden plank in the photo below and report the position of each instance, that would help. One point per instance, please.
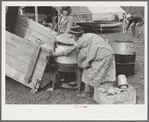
(20, 43)
(47, 47)
(32, 64)
(36, 26)
(17, 64)
(42, 61)
(26, 58)
(17, 53)
(41, 64)
(32, 35)
(17, 75)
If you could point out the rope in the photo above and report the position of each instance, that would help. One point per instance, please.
(93, 28)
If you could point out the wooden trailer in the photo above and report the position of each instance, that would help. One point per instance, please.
(27, 49)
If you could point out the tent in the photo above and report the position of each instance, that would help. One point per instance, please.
(94, 13)
(106, 12)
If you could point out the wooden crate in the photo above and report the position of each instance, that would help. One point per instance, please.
(25, 56)
(25, 61)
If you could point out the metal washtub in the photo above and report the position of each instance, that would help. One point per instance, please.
(66, 63)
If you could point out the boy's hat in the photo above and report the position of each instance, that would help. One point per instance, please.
(128, 16)
(76, 29)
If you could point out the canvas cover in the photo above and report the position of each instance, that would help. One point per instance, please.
(94, 13)
(106, 12)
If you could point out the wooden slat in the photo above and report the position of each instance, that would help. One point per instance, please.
(36, 26)
(18, 53)
(42, 60)
(41, 64)
(32, 64)
(47, 47)
(30, 30)
(32, 35)
(26, 57)
(17, 75)
(36, 35)
(20, 43)
(17, 64)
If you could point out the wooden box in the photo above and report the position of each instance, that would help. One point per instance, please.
(27, 49)
(126, 97)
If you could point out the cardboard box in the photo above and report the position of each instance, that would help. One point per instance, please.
(128, 96)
